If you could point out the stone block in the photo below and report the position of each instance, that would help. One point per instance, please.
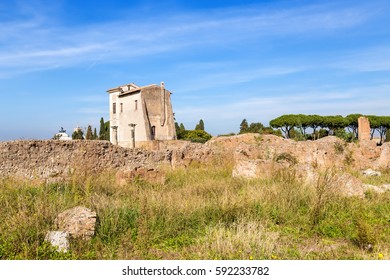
(364, 131)
(78, 222)
(58, 239)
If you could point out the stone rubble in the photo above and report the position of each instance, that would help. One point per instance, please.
(378, 189)
(58, 239)
(369, 172)
(78, 222)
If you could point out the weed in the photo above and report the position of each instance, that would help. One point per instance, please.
(339, 147)
(323, 193)
(365, 237)
(348, 159)
(286, 157)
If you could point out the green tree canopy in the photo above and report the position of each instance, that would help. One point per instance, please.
(334, 123)
(352, 123)
(285, 123)
(78, 135)
(315, 121)
(255, 128)
(380, 124)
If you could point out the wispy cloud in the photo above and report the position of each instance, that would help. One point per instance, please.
(36, 43)
(366, 60)
(223, 77)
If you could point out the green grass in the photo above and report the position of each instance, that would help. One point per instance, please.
(197, 213)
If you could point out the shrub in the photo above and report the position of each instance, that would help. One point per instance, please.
(343, 134)
(365, 238)
(198, 136)
(322, 133)
(339, 147)
(286, 157)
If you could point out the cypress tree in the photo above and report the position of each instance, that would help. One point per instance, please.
(201, 125)
(89, 135)
(101, 130)
(106, 131)
(78, 135)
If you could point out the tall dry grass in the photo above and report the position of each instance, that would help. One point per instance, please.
(197, 213)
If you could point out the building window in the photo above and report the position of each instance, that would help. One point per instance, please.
(153, 136)
(121, 107)
(114, 108)
(136, 105)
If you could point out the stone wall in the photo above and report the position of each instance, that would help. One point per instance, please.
(47, 159)
(51, 159)
(251, 154)
(263, 155)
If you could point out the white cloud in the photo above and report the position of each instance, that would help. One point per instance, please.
(232, 77)
(35, 44)
(367, 60)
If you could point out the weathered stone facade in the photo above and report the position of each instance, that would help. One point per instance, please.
(140, 114)
(57, 159)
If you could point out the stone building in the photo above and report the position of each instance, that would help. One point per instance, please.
(140, 114)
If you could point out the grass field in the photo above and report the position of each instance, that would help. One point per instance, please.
(197, 213)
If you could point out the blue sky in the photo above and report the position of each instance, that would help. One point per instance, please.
(223, 60)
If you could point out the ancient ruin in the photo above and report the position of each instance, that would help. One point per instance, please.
(364, 129)
(78, 222)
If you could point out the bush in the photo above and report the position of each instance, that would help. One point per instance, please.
(270, 130)
(387, 136)
(197, 136)
(346, 136)
(286, 157)
(322, 133)
(365, 238)
(339, 147)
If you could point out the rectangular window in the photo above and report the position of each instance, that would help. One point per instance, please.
(153, 136)
(121, 107)
(114, 108)
(136, 105)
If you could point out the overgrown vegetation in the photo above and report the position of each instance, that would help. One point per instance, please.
(257, 128)
(198, 213)
(198, 135)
